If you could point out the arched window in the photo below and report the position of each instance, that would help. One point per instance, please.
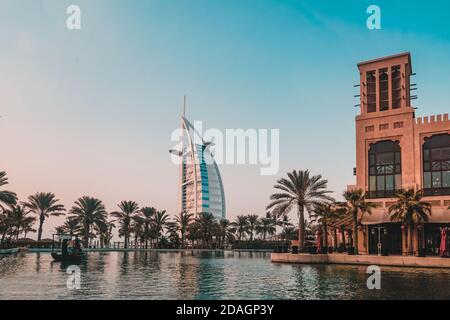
(385, 169)
(371, 92)
(436, 165)
(384, 90)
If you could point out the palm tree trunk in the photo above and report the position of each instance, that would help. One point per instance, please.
(343, 236)
(41, 223)
(410, 239)
(325, 236)
(335, 240)
(86, 236)
(355, 231)
(301, 226)
(125, 245)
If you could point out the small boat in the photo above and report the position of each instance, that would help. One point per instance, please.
(9, 251)
(63, 255)
(77, 257)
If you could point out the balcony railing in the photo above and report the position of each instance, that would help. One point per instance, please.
(429, 192)
(379, 194)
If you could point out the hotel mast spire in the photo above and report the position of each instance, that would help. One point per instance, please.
(184, 106)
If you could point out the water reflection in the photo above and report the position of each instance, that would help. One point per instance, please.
(208, 275)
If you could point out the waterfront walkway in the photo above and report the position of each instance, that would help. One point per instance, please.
(338, 258)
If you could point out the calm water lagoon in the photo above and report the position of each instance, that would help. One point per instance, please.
(208, 275)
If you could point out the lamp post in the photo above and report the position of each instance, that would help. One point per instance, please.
(379, 244)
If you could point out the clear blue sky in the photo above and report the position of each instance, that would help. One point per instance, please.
(91, 111)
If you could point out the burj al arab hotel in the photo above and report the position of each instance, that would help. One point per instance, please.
(201, 187)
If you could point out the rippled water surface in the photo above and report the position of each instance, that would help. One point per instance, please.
(208, 275)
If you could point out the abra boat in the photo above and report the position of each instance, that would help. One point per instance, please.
(77, 257)
(64, 255)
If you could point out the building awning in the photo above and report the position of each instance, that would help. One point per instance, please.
(439, 215)
(345, 222)
(377, 217)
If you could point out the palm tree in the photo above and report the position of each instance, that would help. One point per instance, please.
(70, 226)
(6, 224)
(194, 233)
(104, 231)
(410, 210)
(183, 220)
(253, 222)
(127, 210)
(137, 227)
(206, 222)
(87, 213)
(302, 191)
(172, 234)
(147, 214)
(8, 198)
(59, 230)
(15, 221)
(160, 221)
(289, 233)
(356, 203)
(225, 232)
(44, 205)
(21, 221)
(266, 227)
(241, 225)
(324, 215)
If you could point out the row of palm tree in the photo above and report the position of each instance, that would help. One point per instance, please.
(89, 219)
(308, 194)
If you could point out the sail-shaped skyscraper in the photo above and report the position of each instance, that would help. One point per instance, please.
(200, 185)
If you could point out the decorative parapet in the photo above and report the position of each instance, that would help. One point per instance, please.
(440, 118)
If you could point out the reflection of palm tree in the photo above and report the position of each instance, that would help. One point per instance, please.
(302, 191)
(410, 210)
(183, 220)
(44, 205)
(241, 225)
(356, 203)
(127, 210)
(8, 198)
(87, 213)
(253, 221)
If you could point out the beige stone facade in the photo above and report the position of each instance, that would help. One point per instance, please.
(395, 150)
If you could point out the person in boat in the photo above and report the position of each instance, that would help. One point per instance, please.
(71, 246)
(77, 245)
(64, 250)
